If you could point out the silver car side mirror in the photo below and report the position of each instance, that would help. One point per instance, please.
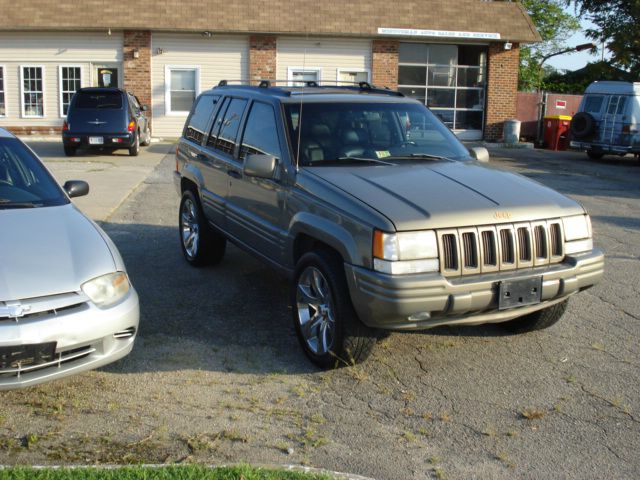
(261, 166)
(76, 188)
(481, 154)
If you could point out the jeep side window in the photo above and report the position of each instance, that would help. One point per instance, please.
(229, 126)
(197, 123)
(593, 103)
(215, 126)
(260, 133)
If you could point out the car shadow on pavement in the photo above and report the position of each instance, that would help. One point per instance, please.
(230, 317)
(52, 149)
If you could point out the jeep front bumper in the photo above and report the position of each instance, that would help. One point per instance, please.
(415, 302)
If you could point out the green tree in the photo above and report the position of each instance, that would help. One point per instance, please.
(555, 25)
(617, 25)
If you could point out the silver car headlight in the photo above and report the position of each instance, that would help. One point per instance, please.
(577, 234)
(405, 252)
(108, 289)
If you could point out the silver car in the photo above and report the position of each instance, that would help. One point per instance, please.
(66, 303)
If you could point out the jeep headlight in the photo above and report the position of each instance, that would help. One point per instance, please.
(405, 252)
(108, 289)
(577, 234)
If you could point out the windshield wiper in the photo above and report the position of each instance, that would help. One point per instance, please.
(6, 203)
(412, 156)
(365, 160)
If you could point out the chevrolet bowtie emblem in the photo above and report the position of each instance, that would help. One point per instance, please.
(14, 310)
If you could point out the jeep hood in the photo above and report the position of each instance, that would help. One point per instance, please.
(445, 194)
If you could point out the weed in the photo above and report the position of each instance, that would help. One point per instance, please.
(570, 379)
(29, 440)
(533, 413)
(234, 436)
(318, 418)
(439, 473)
(445, 417)
(409, 437)
(598, 346)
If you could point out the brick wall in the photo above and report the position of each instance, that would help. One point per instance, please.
(502, 88)
(384, 63)
(262, 57)
(137, 71)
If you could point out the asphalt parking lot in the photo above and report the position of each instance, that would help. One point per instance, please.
(217, 376)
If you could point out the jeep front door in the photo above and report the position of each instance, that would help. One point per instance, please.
(256, 213)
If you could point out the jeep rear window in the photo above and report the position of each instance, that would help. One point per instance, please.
(333, 130)
(99, 100)
(593, 103)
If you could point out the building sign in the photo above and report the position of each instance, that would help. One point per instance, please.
(412, 32)
(561, 104)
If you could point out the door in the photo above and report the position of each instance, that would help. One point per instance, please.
(107, 76)
(255, 206)
(613, 120)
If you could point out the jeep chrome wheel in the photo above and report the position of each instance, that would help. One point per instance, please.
(200, 244)
(315, 311)
(190, 228)
(328, 328)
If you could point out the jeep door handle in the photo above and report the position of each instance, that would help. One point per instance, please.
(234, 173)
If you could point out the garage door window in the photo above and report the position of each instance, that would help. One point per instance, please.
(32, 91)
(181, 89)
(449, 79)
(70, 82)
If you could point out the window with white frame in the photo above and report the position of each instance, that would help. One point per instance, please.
(181, 88)
(298, 75)
(32, 91)
(70, 82)
(3, 110)
(352, 76)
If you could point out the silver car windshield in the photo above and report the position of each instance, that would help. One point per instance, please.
(24, 182)
(333, 132)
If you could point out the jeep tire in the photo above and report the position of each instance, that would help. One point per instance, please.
(537, 320)
(200, 244)
(329, 330)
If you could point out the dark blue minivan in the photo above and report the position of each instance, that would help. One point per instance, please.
(105, 119)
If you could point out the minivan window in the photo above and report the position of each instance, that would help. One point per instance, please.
(593, 103)
(99, 100)
(24, 182)
(260, 134)
(230, 124)
(197, 124)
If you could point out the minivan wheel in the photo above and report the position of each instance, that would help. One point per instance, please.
(537, 320)
(200, 244)
(147, 138)
(134, 150)
(325, 321)
(69, 151)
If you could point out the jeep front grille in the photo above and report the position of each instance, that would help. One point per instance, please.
(493, 248)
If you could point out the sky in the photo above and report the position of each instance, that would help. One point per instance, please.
(576, 60)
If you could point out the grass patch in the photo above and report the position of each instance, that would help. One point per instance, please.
(187, 472)
(533, 413)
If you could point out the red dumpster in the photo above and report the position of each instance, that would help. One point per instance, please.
(556, 132)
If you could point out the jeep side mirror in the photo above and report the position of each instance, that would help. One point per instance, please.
(261, 166)
(481, 154)
(76, 188)
(144, 108)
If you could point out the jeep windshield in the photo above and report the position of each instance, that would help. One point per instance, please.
(342, 133)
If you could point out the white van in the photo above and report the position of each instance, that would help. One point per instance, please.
(608, 120)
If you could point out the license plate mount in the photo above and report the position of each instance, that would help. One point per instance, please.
(518, 293)
(26, 355)
(96, 140)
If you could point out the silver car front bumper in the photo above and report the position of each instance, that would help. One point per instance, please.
(415, 302)
(86, 338)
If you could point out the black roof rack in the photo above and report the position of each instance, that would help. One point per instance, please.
(331, 85)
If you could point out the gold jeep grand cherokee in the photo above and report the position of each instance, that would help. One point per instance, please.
(382, 219)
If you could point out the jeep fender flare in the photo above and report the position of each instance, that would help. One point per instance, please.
(193, 175)
(324, 231)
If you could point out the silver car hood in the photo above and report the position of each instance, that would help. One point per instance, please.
(49, 250)
(447, 194)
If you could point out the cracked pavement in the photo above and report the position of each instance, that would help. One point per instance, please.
(217, 375)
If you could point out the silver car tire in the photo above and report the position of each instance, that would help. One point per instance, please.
(200, 244)
(327, 326)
